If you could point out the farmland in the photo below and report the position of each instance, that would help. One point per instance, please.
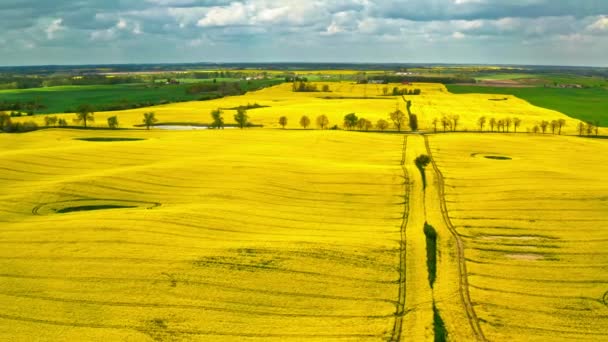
(583, 104)
(305, 234)
(366, 100)
(183, 236)
(60, 99)
(541, 222)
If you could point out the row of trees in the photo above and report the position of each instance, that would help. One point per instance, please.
(241, 118)
(85, 114)
(401, 91)
(306, 87)
(8, 126)
(589, 128)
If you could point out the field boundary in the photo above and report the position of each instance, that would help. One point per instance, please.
(463, 286)
(400, 309)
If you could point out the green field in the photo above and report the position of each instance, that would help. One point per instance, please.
(107, 97)
(583, 104)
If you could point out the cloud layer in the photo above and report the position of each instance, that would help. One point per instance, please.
(565, 32)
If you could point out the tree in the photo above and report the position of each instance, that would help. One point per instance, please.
(5, 122)
(560, 123)
(435, 122)
(326, 88)
(382, 124)
(283, 121)
(581, 128)
(218, 120)
(113, 122)
(421, 162)
(385, 91)
(350, 120)
(553, 125)
(304, 121)
(597, 128)
(445, 122)
(543, 125)
(508, 122)
(62, 123)
(84, 113)
(413, 122)
(398, 118)
(516, 123)
(535, 129)
(149, 119)
(364, 124)
(241, 118)
(492, 124)
(322, 121)
(500, 124)
(481, 122)
(50, 121)
(589, 127)
(455, 119)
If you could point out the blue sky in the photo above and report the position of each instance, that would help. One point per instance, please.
(557, 32)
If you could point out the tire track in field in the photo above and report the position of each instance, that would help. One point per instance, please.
(400, 310)
(463, 285)
(184, 331)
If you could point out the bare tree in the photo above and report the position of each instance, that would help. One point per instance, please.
(553, 124)
(508, 122)
(535, 129)
(304, 121)
(398, 118)
(382, 124)
(500, 124)
(597, 128)
(516, 123)
(581, 128)
(445, 122)
(283, 121)
(492, 124)
(589, 127)
(455, 119)
(560, 123)
(364, 124)
(322, 121)
(435, 122)
(481, 121)
(543, 126)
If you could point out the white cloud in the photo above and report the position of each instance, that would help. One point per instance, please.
(332, 29)
(54, 27)
(458, 35)
(121, 24)
(601, 25)
(235, 14)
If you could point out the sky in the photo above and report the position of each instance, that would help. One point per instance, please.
(540, 32)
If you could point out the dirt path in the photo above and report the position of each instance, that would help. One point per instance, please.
(418, 320)
(451, 289)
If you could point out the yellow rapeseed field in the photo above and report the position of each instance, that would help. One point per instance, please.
(215, 235)
(366, 100)
(532, 212)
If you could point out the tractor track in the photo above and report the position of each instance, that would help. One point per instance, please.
(463, 286)
(400, 306)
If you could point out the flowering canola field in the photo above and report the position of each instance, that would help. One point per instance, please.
(535, 230)
(231, 235)
(366, 100)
